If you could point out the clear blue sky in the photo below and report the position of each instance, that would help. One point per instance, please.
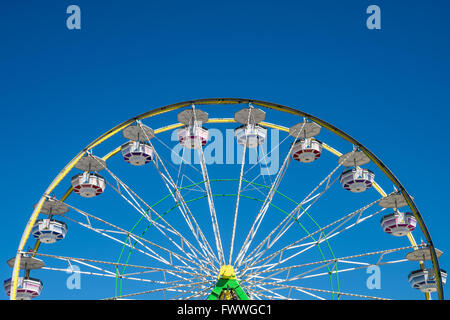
(60, 89)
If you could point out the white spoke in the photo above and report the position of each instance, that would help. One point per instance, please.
(346, 270)
(177, 288)
(297, 289)
(212, 209)
(190, 291)
(319, 290)
(341, 259)
(139, 240)
(263, 158)
(109, 275)
(199, 293)
(196, 124)
(314, 244)
(118, 264)
(262, 212)
(134, 195)
(292, 245)
(275, 295)
(182, 162)
(325, 263)
(182, 206)
(286, 223)
(262, 291)
(236, 209)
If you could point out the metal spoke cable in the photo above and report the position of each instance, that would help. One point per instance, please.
(159, 227)
(179, 200)
(262, 291)
(179, 171)
(340, 259)
(285, 224)
(260, 216)
(314, 244)
(250, 183)
(275, 295)
(140, 240)
(348, 269)
(192, 290)
(182, 161)
(126, 277)
(266, 204)
(187, 215)
(264, 158)
(197, 294)
(205, 175)
(177, 288)
(88, 226)
(323, 290)
(287, 247)
(117, 264)
(143, 213)
(314, 200)
(212, 209)
(236, 209)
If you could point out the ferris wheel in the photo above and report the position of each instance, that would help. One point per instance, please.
(227, 199)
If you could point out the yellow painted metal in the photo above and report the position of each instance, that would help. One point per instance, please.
(167, 128)
(38, 243)
(32, 220)
(221, 120)
(52, 186)
(226, 295)
(378, 188)
(422, 266)
(383, 194)
(274, 126)
(227, 272)
(331, 149)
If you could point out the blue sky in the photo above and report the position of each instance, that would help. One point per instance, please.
(62, 88)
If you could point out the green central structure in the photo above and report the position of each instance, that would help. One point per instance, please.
(227, 287)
